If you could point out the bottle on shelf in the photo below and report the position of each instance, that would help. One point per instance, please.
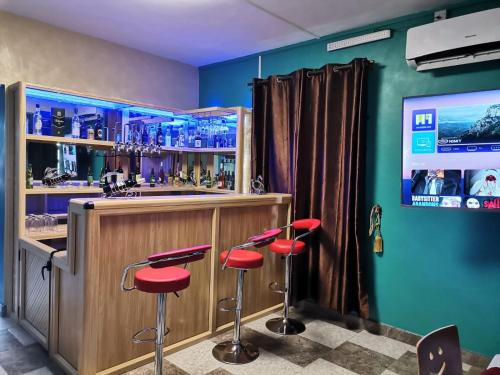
(119, 171)
(170, 177)
(197, 139)
(182, 142)
(209, 180)
(168, 137)
(102, 178)
(161, 175)
(37, 121)
(138, 177)
(90, 132)
(145, 135)
(159, 136)
(29, 177)
(90, 177)
(232, 181)
(75, 125)
(108, 179)
(177, 177)
(98, 129)
(220, 180)
(152, 179)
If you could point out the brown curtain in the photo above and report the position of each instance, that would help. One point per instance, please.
(308, 140)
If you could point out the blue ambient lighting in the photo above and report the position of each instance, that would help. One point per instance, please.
(151, 111)
(72, 99)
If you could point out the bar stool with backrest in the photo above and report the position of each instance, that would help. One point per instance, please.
(159, 275)
(236, 351)
(289, 248)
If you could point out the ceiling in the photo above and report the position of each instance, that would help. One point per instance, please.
(200, 32)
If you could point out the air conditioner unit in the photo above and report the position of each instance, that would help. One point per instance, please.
(460, 40)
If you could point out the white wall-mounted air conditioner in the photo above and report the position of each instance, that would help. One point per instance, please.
(460, 40)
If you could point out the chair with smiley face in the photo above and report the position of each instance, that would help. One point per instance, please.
(439, 352)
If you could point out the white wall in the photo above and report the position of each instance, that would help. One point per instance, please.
(36, 52)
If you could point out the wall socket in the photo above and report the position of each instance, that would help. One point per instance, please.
(440, 15)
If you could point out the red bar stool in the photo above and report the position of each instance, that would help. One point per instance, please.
(236, 351)
(158, 275)
(290, 248)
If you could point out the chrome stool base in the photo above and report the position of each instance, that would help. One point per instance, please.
(235, 354)
(285, 326)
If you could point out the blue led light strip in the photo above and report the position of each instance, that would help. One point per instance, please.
(151, 111)
(72, 99)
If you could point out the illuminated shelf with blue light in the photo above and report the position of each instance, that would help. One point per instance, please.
(73, 141)
(206, 150)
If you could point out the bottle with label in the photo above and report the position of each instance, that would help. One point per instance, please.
(98, 130)
(108, 179)
(37, 121)
(197, 139)
(75, 125)
(138, 176)
(168, 137)
(177, 177)
(29, 177)
(220, 180)
(119, 171)
(159, 136)
(182, 143)
(161, 175)
(152, 179)
(209, 180)
(90, 177)
(90, 132)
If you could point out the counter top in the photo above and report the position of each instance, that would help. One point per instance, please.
(159, 201)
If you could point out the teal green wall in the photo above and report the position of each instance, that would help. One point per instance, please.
(440, 267)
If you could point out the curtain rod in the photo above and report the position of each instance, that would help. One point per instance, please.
(312, 72)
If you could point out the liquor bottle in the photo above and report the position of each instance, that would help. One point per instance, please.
(159, 136)
(152, 179)
(145, 135)
(120, 187)
(168, 137)
(98, 130)
(29, 177)
(75, 125)
(170, 177)
(220, 180)
(106, 171)
(181, 137)
(90, 177)
(90, 132)
(138, 176)
(102, 178)
(232, 181)
(177, 177)
(161, 175)
(197, 139)
(119, 171)
(37, 121)
(209, 180)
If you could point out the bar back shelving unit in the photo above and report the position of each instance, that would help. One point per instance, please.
(136, 136)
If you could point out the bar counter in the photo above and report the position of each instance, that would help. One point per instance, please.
(93, 320)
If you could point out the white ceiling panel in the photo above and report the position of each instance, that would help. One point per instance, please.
(200, 32)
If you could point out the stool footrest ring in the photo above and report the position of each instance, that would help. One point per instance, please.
(275, 288)
(226, 308)
(137, 340)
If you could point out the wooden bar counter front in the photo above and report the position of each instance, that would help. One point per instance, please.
(93, 320)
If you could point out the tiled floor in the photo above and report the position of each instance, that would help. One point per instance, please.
(326, 347)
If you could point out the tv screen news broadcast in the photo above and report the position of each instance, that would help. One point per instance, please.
(451, 150)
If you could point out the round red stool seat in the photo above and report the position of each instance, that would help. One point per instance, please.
(284, 246)
(244, 259)
(161, 280)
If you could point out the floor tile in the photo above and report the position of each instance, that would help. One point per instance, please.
(327, 334)
(466, 367)
(2, 371)
(322, 367)
(6, 323)
(406, 365)
(168, 368)
(359, 359)
(218, 371)
(389, 372)
(384, 345)
(475, 370)
(204, 362)
(22, 336)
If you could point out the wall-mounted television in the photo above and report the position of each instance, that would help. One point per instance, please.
(451, 150)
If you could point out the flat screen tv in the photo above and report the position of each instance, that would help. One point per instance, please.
(451, 150)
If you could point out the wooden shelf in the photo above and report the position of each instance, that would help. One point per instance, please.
(188, 188)
(60, 232)
(41, 190)
(206, 150)
(74, 141)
